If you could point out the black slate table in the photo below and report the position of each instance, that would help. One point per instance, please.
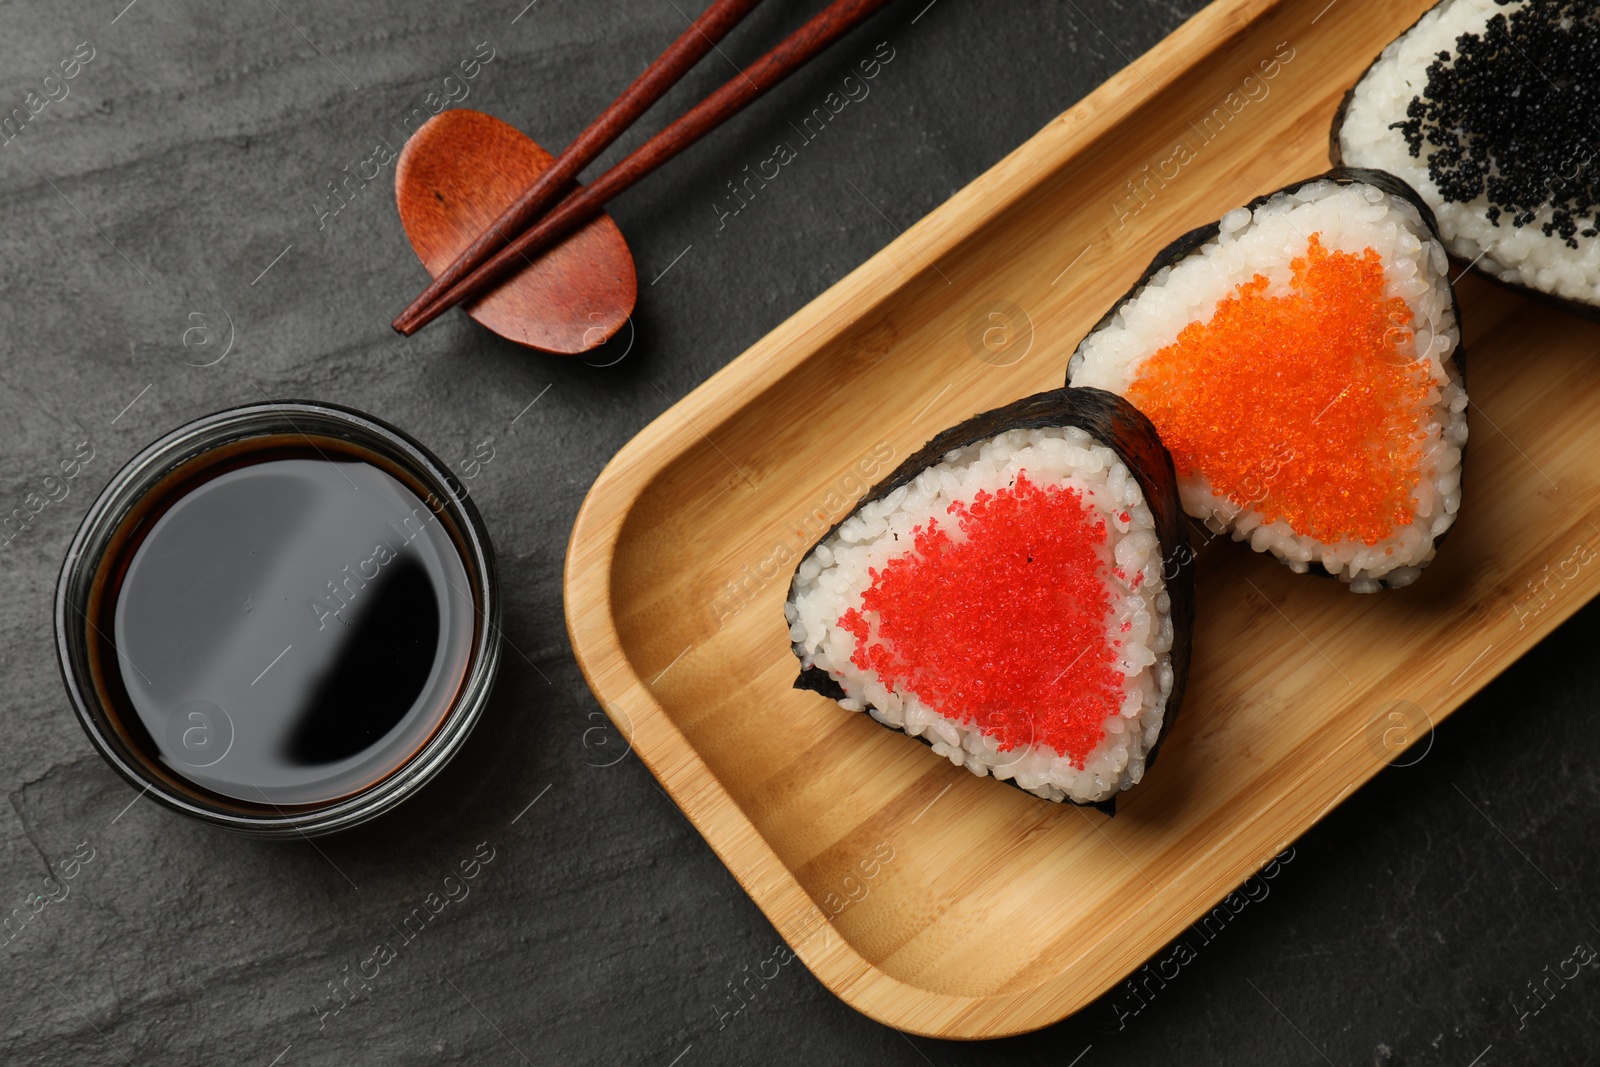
(191, 191)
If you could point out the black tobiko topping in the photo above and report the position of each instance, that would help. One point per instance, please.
(1513, 117)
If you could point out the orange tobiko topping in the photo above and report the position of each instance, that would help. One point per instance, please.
(1307, 407)
(1004, 628)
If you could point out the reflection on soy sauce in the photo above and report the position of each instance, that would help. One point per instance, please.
(292, 630)
(382, 669)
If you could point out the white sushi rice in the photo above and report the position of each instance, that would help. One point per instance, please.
(1349, 218)
(1518, 255)
(834, 576)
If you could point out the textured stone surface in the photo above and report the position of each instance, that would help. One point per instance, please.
(190, 155)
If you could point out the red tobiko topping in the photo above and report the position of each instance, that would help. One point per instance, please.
(1004, 629)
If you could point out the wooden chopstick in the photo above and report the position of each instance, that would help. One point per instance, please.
(690, 47)
(577, 208)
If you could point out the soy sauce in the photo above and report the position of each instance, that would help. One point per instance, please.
(286, 628)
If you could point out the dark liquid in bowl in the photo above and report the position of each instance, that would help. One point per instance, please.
(285, 629)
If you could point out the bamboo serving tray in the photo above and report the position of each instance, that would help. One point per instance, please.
(945, 904)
